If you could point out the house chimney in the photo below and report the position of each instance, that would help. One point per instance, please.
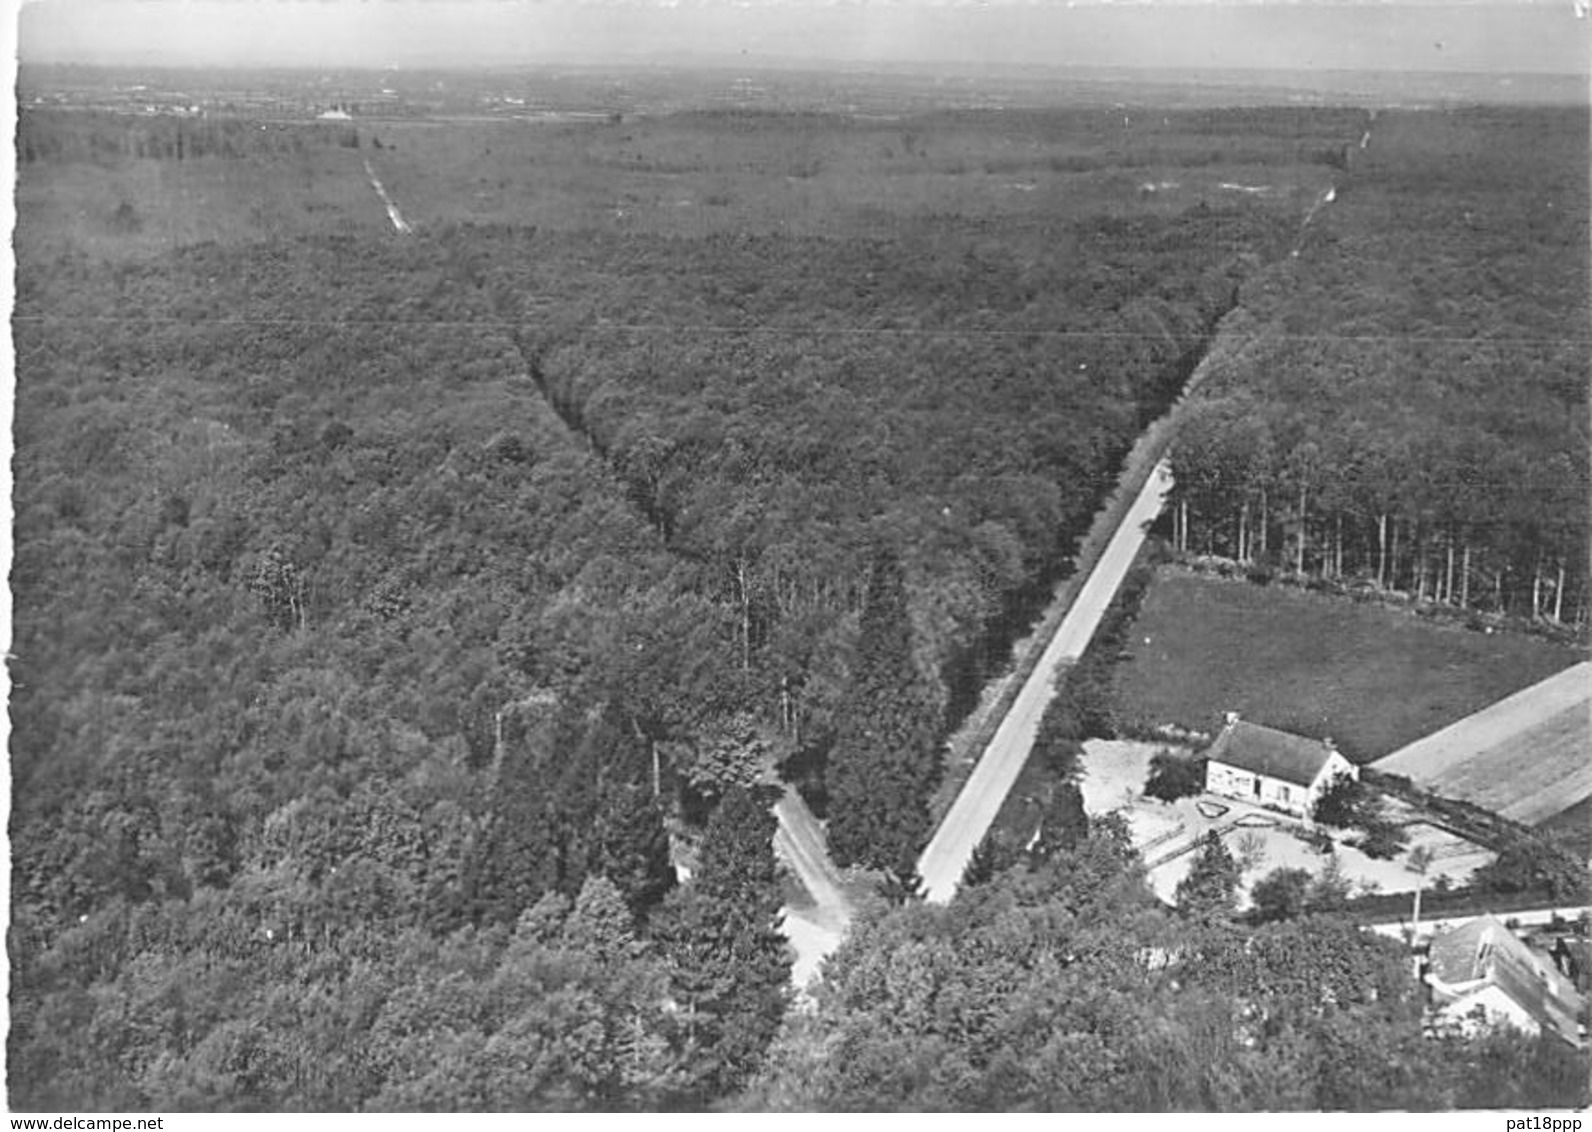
(1232, 718)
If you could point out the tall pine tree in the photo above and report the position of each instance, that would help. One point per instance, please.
(1210, 890)
(885, 761)
(729, 963)
(1062, 824)
(570, 804)
(632, 846)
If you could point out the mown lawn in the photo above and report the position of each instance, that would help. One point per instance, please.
(1373, 679)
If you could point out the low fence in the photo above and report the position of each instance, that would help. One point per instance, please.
(1394, 908)
(1463, 819)
(1161, 839)
(1241, 822)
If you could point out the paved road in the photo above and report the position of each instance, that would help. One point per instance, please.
(970, 816)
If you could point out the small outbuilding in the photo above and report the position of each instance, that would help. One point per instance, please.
(1480, 975)
(1272, 768)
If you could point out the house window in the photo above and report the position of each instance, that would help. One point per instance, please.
(1284, 793)
(1256, 782)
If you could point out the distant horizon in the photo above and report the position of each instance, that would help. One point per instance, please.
(1522, 37)
(921, 67)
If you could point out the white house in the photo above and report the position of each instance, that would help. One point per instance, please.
(1272, 768)
(1481, 975)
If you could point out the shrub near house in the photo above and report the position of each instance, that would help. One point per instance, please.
(1350, 803)
(1172, 776)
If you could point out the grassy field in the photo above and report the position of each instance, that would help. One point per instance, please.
(682, 175)
(1372, 679)
(1524, 757)
(1536, 775)
(169, 204)
(686, 175)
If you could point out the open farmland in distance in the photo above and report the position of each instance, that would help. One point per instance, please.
(1371, 678)
(1527, 757)
(687, 175)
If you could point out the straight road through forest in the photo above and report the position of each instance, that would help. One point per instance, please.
(946, 857)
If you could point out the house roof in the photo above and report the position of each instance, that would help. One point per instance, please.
(1462, 954)
(1273, 753)
(1484, 949)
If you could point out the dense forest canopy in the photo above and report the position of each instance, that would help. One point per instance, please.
(1411, 407)
(393, 613)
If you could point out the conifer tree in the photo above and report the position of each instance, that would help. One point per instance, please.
(991, 857)
(553, 828)
(885, 761)
(729, 963)
(632, 847)
(600, 923)
(1211, 888)
(518, 857)
(1064, 822)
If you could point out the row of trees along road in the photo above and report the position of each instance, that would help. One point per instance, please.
(1406, 402)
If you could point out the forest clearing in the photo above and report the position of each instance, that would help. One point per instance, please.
(1114, 773)
(1372, 678)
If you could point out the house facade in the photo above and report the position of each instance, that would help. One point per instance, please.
(1480, 975)
(1272, 768)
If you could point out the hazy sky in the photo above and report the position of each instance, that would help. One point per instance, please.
(1524, 35)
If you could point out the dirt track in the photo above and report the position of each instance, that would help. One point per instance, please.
(814, 932)
(393, 214)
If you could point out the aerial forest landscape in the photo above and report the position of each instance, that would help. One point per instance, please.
(730, 587)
